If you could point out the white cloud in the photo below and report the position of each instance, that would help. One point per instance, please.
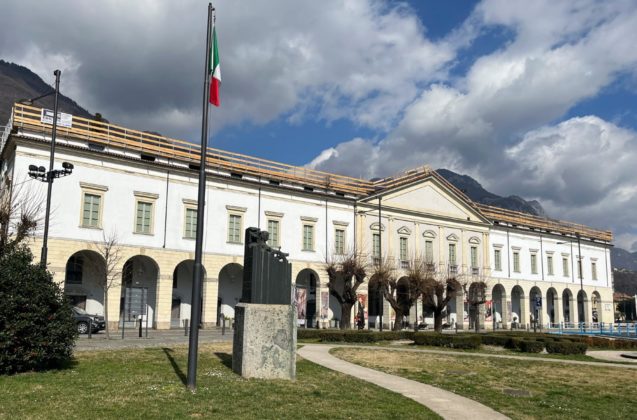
(361, 59)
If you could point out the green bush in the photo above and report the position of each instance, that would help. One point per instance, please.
(495, 340)
(530, 346)
(359, 337)
(566, 348)
(447, 340)
(332, 336)
(307, 333)
(37, 329)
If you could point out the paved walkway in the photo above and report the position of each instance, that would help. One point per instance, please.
(444, 403)
(614, 356)
(156, 338)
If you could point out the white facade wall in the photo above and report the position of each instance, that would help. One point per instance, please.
(426, 214)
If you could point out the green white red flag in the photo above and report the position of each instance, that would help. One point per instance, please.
(214, 70)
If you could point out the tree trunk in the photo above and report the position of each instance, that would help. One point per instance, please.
(438, 321)
(108, 336)
(346, 315)
(398, 322)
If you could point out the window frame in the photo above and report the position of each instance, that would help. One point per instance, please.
(235, 211)
(145, 198)
(533, 262)
(342, 230)
(95, 190)
(516, 262)
(497, 259)
(271, 241)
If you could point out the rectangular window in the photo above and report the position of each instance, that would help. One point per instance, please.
(273, 233)
(516, 262)
(474, 257)
(308, 238)
(376, 245)
(497, 256)
(549, 265)
(144, 217)
(429, 252)
(91, 210)
(579, 267)
(594, 270)
(404, 252)
(533, 263)
(452, 254)
(565, 266)
(234, 228)
(190, 228)
(339, 241)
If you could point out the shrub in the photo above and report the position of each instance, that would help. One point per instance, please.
(359, 337)
(37, 329)
(495, 340)
(332, 335)
(566, 348)
(531, 346)
(447, 340)
(307, 333)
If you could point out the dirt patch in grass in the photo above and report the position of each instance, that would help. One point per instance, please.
(518, 388)
(148, 383)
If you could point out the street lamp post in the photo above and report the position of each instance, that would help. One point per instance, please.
(41, 174)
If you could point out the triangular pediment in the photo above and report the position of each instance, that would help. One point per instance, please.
(432, 197)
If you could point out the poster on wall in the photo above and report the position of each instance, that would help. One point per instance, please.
(362, 302)
(301, 302)
(325, 302)
(488, 311)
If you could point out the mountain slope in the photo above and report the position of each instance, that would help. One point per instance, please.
(18, 82)
(477, 193)
(624, 259)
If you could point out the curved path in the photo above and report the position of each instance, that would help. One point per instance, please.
(444, 403)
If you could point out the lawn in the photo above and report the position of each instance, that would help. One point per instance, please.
(518, 388)
(147, 383)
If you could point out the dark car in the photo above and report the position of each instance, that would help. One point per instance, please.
(83, 319)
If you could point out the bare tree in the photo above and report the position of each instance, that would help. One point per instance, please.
(438, 289)
(476, 292)
(401, 293)
(108, 268)
(20, 214)
(345, 273)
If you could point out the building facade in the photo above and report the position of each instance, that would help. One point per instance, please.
(142, 188)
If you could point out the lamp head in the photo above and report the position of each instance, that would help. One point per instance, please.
(33, 168)
(42, 169)
(68, 166)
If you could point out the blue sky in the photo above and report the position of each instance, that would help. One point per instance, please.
(533, 98)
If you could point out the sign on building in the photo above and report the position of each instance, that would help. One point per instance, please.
(64, 120)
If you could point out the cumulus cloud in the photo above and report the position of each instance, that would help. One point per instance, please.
(485, 123)
(136, 62)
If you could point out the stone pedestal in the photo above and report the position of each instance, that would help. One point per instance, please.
(264, 343)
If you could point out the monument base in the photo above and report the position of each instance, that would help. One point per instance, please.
(264, 343)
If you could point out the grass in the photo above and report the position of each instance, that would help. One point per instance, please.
(148, 383)
(542, 389)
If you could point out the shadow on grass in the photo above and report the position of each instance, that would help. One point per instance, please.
(225, 358)
(174, 364)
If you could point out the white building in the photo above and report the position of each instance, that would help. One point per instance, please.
(143, 187)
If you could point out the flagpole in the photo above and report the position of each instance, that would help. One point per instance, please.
(195, 303)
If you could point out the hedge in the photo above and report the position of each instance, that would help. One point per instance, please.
(566, 348)
(352, 336)
(447, 340)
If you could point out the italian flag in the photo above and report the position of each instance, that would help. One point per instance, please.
(214, 70)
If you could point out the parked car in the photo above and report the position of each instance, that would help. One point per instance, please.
(83, 319)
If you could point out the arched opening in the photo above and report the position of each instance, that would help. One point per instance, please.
(582, 307)
(535, 305)
(402, 299)
(230, 289)
(551, 304)
(305, 293)
(477, 298)
(139, 291)
(518, 317)
(180, 307)
(596, 307)
(334, 305)
(498, 306)
(567, 306)
(84, 282)
(375, 302)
